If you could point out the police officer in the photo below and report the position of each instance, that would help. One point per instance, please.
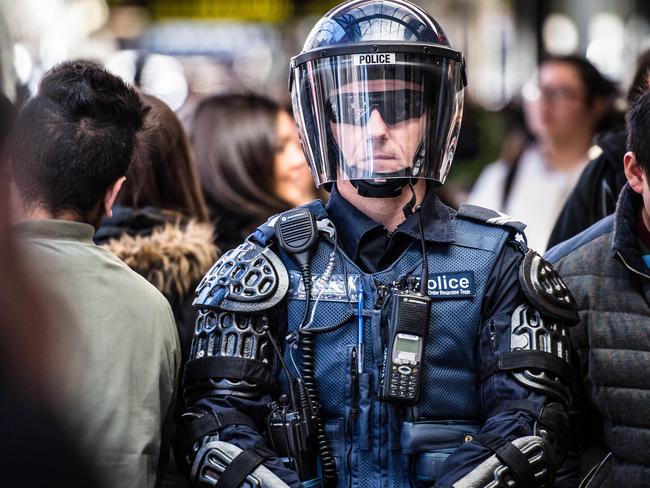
(383, 340)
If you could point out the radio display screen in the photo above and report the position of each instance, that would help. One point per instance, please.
(407, 345)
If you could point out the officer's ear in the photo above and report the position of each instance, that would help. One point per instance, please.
(634, 173)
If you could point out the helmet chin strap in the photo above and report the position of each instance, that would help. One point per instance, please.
(384, 188)
(390, 185)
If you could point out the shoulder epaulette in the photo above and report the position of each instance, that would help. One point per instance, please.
(487, 216)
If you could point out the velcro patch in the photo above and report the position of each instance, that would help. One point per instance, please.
(459, 284)
(334, 290)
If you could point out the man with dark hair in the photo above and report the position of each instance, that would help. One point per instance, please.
(118, 352)
(607, 267)
(74, 142)
(595, 194)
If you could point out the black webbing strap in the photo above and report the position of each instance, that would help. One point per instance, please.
(195, 428)
(520, 468)
(244, 464)
(231, 368)
(525, 359)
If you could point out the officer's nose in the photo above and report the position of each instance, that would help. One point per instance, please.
(377, 126)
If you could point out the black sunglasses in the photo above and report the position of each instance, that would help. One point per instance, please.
(394, 106)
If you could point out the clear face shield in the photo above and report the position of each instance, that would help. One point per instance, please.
(379, 116)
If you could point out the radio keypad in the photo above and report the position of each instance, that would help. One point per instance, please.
(403, 380)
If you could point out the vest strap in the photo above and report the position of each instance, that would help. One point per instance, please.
(486, 243)
(244, 464)
(228, 367)
(526, 359)
(194, 429)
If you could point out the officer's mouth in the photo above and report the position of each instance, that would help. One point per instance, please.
(380, 157)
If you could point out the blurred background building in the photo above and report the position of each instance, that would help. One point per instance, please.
(180, 50)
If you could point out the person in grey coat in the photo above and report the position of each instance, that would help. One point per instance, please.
(607, 268)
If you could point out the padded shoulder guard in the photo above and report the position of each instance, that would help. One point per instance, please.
(545, 289)
(540, 347)
(231, 353)
(247, 279)
(492, 217)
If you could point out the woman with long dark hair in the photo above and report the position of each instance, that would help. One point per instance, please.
(250, 163)
(160, 225)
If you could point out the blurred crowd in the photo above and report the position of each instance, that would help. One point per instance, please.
(112, 210)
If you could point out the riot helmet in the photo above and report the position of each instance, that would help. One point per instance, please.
(377, 93)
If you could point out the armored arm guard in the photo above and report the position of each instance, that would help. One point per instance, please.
(539, 360)
(540, 347)
(230, 371)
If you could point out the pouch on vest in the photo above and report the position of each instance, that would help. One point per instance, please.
(428, 443)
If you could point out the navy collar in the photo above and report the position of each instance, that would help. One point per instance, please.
(625, 241)
(354, 224)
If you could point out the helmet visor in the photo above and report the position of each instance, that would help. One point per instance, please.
(378, 116)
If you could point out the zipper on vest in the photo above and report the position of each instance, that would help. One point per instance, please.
(382, 293)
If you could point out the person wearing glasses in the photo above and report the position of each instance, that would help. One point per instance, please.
(569, 104)
(383, 339)
(608, 267)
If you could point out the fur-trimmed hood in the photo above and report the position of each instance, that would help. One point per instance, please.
(172, 253)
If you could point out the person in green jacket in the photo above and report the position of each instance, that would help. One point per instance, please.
(116, 345)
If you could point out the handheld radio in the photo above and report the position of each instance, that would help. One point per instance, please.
(403, 358)
(408, 324)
